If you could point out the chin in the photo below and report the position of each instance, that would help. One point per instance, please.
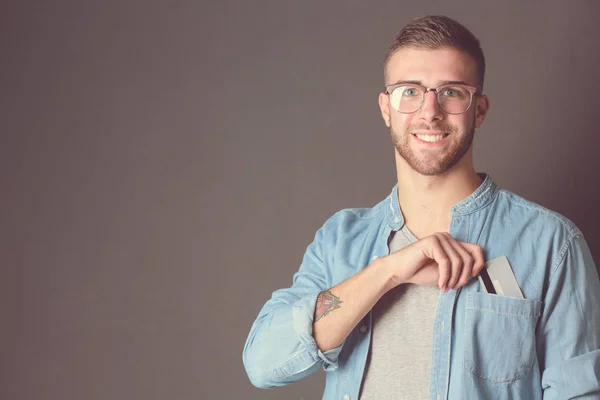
(425, 167)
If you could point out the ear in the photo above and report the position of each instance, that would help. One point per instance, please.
(481, 108)
(384, 106)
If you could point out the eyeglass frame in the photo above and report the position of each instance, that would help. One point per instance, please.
(473, 91)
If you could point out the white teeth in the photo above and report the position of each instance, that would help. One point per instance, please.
(430, 138)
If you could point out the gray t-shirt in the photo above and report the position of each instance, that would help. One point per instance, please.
(400, 350)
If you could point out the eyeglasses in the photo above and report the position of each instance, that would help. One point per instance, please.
(408, 98)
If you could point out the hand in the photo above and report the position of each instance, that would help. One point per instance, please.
(438, 259)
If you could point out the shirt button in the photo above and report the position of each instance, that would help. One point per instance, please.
(397, 219)
(438, 397)
(363, 328)
(441, 330)
(374, 258)
(346, 397)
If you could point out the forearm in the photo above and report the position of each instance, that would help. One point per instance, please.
(340, 308)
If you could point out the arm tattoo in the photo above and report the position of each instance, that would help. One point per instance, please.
(326, 302)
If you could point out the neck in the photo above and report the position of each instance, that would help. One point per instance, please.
(426, 201)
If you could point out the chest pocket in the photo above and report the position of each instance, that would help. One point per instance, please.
(500, 336)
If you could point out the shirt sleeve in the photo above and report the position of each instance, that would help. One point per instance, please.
(280, 348)
(568, 339)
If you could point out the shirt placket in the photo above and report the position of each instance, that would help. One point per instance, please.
(442, 336)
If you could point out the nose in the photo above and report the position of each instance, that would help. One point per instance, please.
(430, 110)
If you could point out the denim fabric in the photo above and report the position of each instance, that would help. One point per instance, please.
(485, 346)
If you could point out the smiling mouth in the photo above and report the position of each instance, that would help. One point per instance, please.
(431, 138)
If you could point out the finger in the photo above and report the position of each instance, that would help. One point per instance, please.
(438, 254)
(455, 262)
(468, 262)
(458, 260)
(477, 253)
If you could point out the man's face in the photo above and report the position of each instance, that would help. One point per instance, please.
(432, 68)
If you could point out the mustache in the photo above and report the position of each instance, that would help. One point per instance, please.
(425, 127)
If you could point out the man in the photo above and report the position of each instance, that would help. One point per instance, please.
(387, 300)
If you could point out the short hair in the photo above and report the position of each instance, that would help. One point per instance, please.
(435, 32)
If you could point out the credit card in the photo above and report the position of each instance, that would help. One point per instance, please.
(497, 277)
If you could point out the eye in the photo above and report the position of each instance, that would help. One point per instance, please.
(454, 92)
(410, 92)
(450, 92)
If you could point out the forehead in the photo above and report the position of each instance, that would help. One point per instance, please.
(431, 67)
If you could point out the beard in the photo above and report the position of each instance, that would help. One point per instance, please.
(432, 163)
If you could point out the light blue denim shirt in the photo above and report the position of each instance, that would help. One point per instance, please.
(485, 346)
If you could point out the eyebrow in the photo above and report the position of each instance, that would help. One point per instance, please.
(421, 83)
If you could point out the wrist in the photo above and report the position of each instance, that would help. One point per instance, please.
(385, 269)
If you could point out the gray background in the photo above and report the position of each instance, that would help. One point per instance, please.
(165, 164)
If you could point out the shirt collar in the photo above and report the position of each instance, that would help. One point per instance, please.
(480, 198)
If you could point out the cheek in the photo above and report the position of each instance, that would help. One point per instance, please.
(400, 121)
(463, 122)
